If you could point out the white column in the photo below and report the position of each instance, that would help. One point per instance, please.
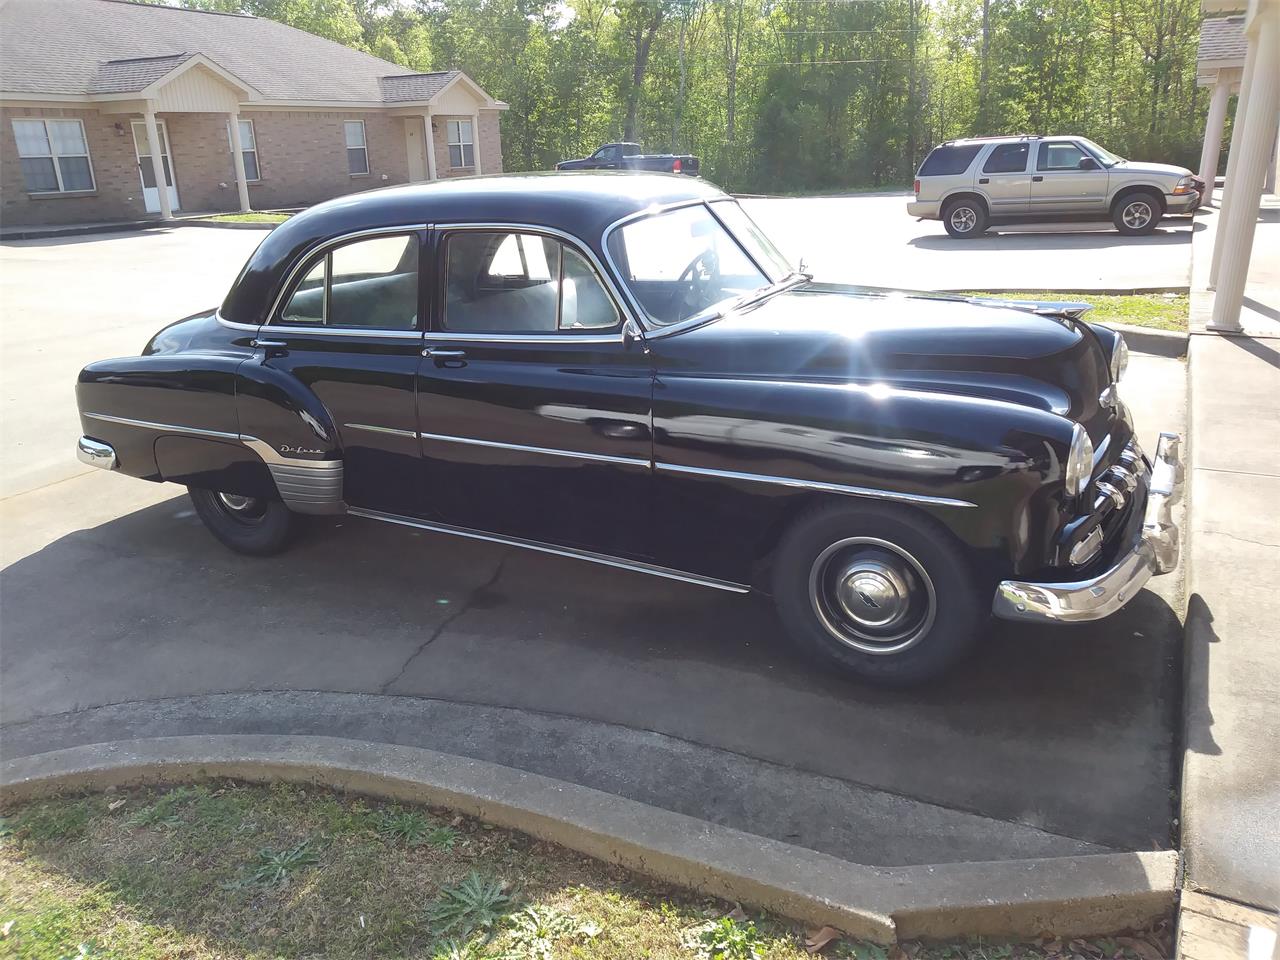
(237, 158)
(157, 164)
(1213, 132)
(1235, 235)
(430, 145)
(1232, 181)
(475, 139)
(1274, 168)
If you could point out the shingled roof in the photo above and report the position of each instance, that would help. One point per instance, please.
(1222, 39)
(97, 47)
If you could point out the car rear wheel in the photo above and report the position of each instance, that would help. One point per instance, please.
(251, 525)
(965, 218)
(1136, 214)
(884, 595)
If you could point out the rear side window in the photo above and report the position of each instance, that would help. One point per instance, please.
(1008, 158)
(949, 159)
(369, 283)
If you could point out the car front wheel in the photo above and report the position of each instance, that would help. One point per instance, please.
(1137, 214)
(252, 525)
(884, 595)
(965, 219)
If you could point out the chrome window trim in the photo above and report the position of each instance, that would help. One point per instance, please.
(540, 547)
(549, 451)
(296, 329)
(235, 325)
(308, 257)
(612, 334)
(821, 485)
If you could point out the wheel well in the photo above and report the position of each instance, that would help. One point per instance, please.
(947, 202)
(1139, 188)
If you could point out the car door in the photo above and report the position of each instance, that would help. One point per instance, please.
(533, 397)
(1067, 179)
(1005, 180)
(607, 158)
(348, 325)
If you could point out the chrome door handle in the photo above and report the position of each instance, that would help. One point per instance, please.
(436, 353)
(269, 344)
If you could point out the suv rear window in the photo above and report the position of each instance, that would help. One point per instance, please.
(949, 159)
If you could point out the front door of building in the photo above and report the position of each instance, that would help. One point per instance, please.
(416, 143)
(141, 147)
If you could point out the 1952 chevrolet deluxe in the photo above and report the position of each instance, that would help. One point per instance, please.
(623, 369)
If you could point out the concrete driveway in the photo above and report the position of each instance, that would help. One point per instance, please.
(122, 617)
(870, 239)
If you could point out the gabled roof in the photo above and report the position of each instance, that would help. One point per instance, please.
(101, 48)
(1222, 41)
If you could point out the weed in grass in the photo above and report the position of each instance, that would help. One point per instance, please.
(405, 826)
(7, 827)
(166, 811)
(862, 951)
(727, 939)
(459, 950)
(535, 932)
(476, 904)
(273, 867)
(53, 821)
(442, 838)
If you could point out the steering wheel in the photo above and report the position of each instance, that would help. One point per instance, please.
(703, 274)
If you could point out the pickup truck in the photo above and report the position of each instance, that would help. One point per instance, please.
(628, 156)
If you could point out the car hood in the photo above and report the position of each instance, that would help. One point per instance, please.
(906, 339)
(1158, 169)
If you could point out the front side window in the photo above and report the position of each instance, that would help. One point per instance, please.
(608, 154)
(369, 283)
(54, 155)
(357, 150)
(1007, 158)
(510, 282)
(248, 149)
(462, 151)
(683, 263)
(1059, 156)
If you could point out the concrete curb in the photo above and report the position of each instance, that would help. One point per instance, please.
(1064, 896)
(1159, 343)
(229, 225)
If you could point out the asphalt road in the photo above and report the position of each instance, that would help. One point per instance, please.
(122, 617)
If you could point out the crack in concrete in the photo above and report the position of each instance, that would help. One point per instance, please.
(1232, 536)
(440, 628)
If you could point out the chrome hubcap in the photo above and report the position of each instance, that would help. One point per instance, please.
(238, 504)
(1137, 215)
(963, 219)
(872, 595)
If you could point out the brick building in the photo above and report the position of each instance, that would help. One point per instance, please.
(102, 100)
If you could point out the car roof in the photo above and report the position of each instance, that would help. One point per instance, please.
(581, 204)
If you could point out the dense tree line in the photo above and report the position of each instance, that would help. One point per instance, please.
(795, 95)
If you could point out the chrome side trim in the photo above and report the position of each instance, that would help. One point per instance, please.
(166, 427)
(539, 547)
(549, 451)
(373, 428)
(95, 453)
(438, 335)
(825, 487)
(305, 489)
(288, 329)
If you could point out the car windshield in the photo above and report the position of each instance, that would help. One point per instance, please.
(685, 262)
(1102, 153)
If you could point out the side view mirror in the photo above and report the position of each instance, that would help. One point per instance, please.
(1088, 163)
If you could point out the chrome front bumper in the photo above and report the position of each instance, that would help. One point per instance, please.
(96, 453)
(1155, 552)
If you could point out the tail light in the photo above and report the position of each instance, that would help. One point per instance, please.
(917, 187)
(676, 165)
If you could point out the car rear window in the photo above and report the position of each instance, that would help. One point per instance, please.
(949, 159)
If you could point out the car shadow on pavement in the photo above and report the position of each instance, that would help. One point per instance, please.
(1022, 239)
(1070, 729)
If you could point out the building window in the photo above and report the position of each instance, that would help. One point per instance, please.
(249, 149)
(357, 152)
(462, 151)
(54, 155)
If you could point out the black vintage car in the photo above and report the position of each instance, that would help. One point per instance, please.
(623, 369)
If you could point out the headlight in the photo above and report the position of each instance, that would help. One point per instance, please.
(1079, 461)
(1184, 186)
(1119, 358)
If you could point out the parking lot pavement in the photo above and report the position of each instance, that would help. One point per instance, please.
(123, 617)
(871, 240)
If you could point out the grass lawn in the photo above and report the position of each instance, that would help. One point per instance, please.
(1163, 311)
(224, 870)
(250, 218)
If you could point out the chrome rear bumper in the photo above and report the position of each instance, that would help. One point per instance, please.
(96, 454)
(1154, 553)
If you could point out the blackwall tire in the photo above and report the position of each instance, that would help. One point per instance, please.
(257, 527)
(1137, 214)
(883, 595)
(965, 218)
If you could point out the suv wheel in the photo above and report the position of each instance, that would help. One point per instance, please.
(965, 218)
(880, 594)
(1136, 214)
